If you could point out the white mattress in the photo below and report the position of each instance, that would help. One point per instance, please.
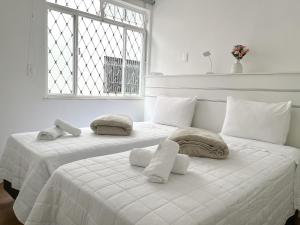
(28, 163)
(255, 185)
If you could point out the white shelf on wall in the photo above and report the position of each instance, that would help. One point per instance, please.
(278, 82)
(224, 74)
(271, 87)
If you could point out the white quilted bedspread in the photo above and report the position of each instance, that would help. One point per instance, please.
(28, 163)
(255, 185)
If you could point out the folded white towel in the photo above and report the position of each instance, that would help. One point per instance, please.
(50, 134)
(162, 162)
(67, 127)
(142, 157)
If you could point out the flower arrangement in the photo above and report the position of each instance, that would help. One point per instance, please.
(239, 51)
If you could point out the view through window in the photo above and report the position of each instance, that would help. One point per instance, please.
(94, 48)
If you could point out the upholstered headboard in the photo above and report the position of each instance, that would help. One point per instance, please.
(212, 91)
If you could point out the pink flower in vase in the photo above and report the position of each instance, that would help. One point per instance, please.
(239, 51)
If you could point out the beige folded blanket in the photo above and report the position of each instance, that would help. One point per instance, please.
(200, 143)
(112, 125)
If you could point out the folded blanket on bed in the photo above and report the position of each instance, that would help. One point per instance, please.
(50, 134)
(142, 157)
(200, 143)
(67, 127)
(112, 125)
(161, 164)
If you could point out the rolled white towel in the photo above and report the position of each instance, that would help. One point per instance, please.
(161, 164)
(142, 157)
(50, 134)
(67, 127)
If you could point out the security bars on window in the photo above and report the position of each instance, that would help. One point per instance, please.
(60, 53)
(109, 51)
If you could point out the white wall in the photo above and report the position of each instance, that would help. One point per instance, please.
(22, 107)
(269, 27)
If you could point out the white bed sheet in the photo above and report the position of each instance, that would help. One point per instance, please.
(28, 163)
(255, 185)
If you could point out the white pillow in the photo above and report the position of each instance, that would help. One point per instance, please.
(174, 111)
(262, 121)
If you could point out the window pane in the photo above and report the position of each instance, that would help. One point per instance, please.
(121, 14)
(133, 62)
(134, 18)
(89, 6)
(100, 58)
(114, 12)
(60, 53)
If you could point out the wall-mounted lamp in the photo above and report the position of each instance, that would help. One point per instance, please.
(208, 54)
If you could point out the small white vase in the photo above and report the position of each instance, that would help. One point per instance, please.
(237, 67)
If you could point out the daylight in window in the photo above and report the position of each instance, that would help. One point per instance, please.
(90, 54)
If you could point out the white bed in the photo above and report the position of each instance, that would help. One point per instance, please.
(28, 163)
(258, 184)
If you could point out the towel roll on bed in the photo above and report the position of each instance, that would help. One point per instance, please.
(67, 127)
(59, 129)
(161, 164)
(50, 134)
(142, 157)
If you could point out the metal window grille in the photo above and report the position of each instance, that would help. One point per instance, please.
(133, 64)
(88, 6)
(124, 15)
(60, 53)
(113, 76)
(90, 54)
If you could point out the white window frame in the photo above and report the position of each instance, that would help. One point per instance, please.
(76, 13)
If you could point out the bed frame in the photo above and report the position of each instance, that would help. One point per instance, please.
(293, 220)
(10, 190)
(212, 91)
(14, 194)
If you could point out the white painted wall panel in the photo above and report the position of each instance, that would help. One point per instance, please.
(269, 27)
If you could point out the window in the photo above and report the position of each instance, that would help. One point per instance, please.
(95, 48)
(120, 14)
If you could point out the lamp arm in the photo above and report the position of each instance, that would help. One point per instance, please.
(211, 64)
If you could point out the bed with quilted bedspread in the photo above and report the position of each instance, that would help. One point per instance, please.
(258, 184)
(28, 163)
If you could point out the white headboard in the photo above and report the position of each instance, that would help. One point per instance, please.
(212, 91)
